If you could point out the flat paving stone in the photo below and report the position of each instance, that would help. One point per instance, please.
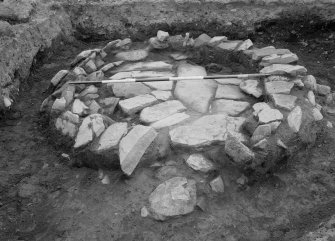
(170, 121)
(152, 65)
(230, 45)
(277, 69)
(231, 92)
(137, 103)
(258, 54)
(286, 102)
(161, 111)
(229, 107)
(278, 87)
(129, 90)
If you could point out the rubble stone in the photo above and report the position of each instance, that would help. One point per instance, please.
(251, 87)
(294, 119)
(240, 153)
(111, 137)
(231, 92)
(269, 115)
(199, 163)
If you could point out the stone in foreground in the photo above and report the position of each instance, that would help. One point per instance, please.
(286, 102)
(199, 163)
(251, 87)
(176, 196)
(239, 152)
(161, 111)
(133, 146)
(269, 115)
(111, 137)
(294, 119)
(195, 94)
(137, 103)
(229, 107)
(277, 69)
(231, 92)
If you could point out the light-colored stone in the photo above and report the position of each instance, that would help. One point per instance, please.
(68, 94)
(217, 40)
(162, 95)
(310, 82)
(66, 127)
(170, 120)
(111, 137)
(239, 152)
(329, 124)
(107, 67)
(203, 39)
(195, 94)
(281, 144)
(217, 185)
(229, 81)
(178, 56)
(317, 114)
(134, 55)
(94, 107)
(207, 130)
(229, 107)
(251, 87)
(262, 144)
(258, 54)
(88, 90)
(229, 45)
(124, 43)
(144, 212)
(258, 107)
(278, 87)
(152, 65)
(133, 146)
(68, 115)
(279, 59)
(59, 105)
(58, 77)
(109, 105)
(160, 85)
(90, 67)
(286, 102)
(161, 111)
(311, 97)
(261, 132)
(129, 90)
(199, 162)
(247, 44)
(231, 92)
(176, 196)
(96, 76)
(162, 35)
(292, 70)
(156, 44)
(323, 89)
(298, 82)
(269, 115)
(294, 119)
(137, 103)
(79, 108)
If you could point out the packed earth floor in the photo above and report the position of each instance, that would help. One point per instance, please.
(45, 196)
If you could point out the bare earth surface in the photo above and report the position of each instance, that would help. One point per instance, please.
(44, 198)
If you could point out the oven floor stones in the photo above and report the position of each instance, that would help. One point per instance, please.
(247, 121)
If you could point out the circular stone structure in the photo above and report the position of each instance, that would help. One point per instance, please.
(255, 123)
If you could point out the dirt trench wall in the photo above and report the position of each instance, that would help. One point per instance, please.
(28, 27)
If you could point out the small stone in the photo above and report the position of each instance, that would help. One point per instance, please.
(170, 121)
(240, 153)
(94, 107)
(274, 125)
(261, 132)
(330, 110)
(258, 107)
(294, 119)
(262, 144)
(298, 82)
(199, 163)
(310, 82)
(251, 87)
(59, 105)
(176, 196)
(278, 87)
(317, 114)
(58, 77)
(105, 180)
(90, 67)
(323, 89)
(137, 103)
(68, 94)
(178, 56)
(217, 185)
(162, 95)
(281, 144)
(245, 45)
(203, 39)
(311, 97)
(99, 62)
(229, 81)
(217, 40)
(269, 115)
(66, 127)
(107, 67)
(278, 69)
(329, 124)
(79, 108)
(144, 212)
(229, 107)
(279, 59)
(109, 105)
(156, 44)
(112, 136)
(162, 36)
(96, 76)
(7, 101)
(329, 99)
(229, 45)
(133, 146)
(242, 180)
(286, 102)
(134, 55)
(161, 111)
(231, 92)
(124, 44)
(129, 90)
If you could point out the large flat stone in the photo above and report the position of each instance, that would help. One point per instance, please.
(278, 69)
(231, 92)
(229, 107)
(258, 54)
(269, 115)
(161, 111)
(278, 87)
(129, 90)
(170, 120)
(195, 94)
(279, 59)
(134, 55)
(176, 196)
(162, 94)
(137, 103)
(207, 130)
(133, 146)
(111, 138)
(286, 102)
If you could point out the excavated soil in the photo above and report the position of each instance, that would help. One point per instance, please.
(44, 197)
